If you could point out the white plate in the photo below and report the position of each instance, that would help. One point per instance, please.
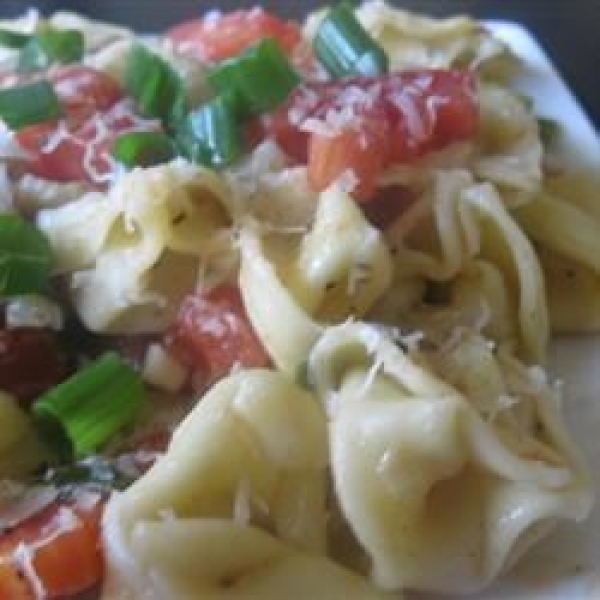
(566, 565)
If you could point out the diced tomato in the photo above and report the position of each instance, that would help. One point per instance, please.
(82, 155)
(77, 147)
(213, 334)
(63, 544)
(220, 36)
(83, 91)
(31, 361)
(13, 585)
(364, 125)
(358, 155)
(292, 140)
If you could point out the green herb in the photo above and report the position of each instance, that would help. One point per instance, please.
(345, 48)
(79, 415)
(257, 81)
(549, 130)
(50, 46)
(156, 88)
(25, 257)
(211, 135)
(143, 148)
(94, 472)
(13, 39)
(28, 104)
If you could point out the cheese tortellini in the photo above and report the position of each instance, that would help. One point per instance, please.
(459, 236)
(404, 434)
(236, 507)
(135, 251)
(441, 494)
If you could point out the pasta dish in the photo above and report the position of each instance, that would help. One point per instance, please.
(277, 299)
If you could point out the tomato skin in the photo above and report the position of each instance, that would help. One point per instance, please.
(358, 155)
(213, 334)
(293, 141)
(65, 561)
(83, 91)
(92, 119)
(13, 585)
(67, 160)
(370, 123)
(31, 361)
(218, 37)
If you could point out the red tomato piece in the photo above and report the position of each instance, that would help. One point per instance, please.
(63, 543)
(219, 36)
(358, 155)
(13, 585)
(213, 334)
(77, 147)
(83, 91)
(31, 361)
(364, 125)
(79, 155)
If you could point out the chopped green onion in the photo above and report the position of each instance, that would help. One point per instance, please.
(156, 88)
(143, 148)
(258, 80)
(28, 104)
(49, 46)
(25, 257)
(13, 39)
(211, 135)
(549, 130)
(345, 48)
(79, 415)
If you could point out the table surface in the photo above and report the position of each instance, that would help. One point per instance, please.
(569, 31)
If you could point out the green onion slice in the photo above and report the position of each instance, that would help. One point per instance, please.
(143, 148)
(79, 415)
(50, 46)
(345, 48)
(25, 257)
(258, 80)
(13, 39)
(28, 104)
(156, 88)
(210, 135)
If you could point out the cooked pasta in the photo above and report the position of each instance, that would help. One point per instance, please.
(297, 308)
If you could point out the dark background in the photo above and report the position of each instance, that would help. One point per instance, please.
(569, 30)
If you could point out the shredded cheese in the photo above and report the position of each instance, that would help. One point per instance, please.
(242, 507)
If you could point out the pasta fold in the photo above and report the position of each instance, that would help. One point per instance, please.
(293, 282)
(459, 236)
(133, 252)
(441, 493)
(236, 507)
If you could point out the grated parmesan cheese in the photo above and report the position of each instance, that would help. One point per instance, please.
(161, 370)
(22, 557)
(242, 507)
(57, 137)
(347, 180)
(359, 273)
(33, 311)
